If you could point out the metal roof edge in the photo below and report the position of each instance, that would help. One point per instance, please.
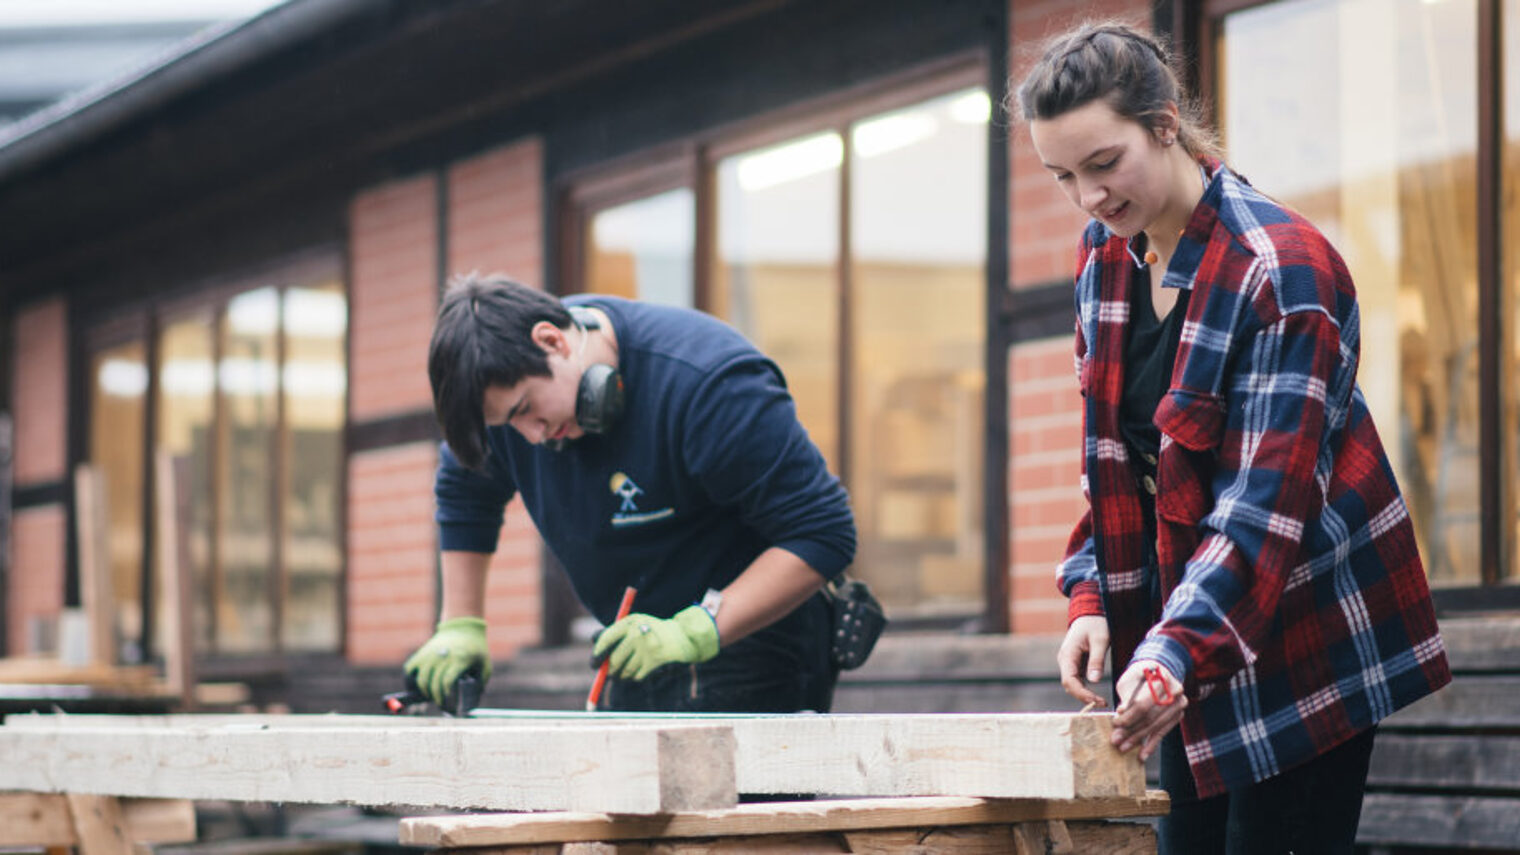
(211, 53)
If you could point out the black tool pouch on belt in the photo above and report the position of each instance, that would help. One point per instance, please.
(858, 621)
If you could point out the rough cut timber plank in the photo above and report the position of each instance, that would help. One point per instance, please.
(1078, 838)
(638, 769)
(1084, 838)
(996, 755)
(94, 537)
(1023, 755)
(99, 823)
(1439, 761)
(1444, 822)
(765, 818)
(42, 819)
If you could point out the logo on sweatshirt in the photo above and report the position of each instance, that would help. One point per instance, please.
(628, 512)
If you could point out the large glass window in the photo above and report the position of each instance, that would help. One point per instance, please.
(777, 272)
(248, 398)
(918, 214)
(186, 414)
(1367, 124)
(642, 249)
(852, 252)
(314, 383)
(117, 407)
(249, 405)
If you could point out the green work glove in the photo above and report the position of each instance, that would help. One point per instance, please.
(638, 644)
(458, 647)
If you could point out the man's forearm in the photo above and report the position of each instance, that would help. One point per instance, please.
(776, 582)
(464, 584)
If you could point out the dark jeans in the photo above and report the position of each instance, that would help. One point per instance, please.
(784, 667)
(1311, 809)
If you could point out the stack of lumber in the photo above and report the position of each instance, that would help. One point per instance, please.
(990, 782)
(651, 764)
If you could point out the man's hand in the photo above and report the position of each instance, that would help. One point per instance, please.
(1150, 705)
(459, 646)
(638, 644)
(1081, 656)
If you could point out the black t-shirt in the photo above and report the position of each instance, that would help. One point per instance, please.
(1150, 349)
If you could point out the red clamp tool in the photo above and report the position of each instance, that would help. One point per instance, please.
(1161, 692)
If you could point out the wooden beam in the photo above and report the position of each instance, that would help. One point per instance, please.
(1441, 761)
(173, 574)
(99, 824)
(43, 819)
(999, 755)
(93, 528)
(1471, 701)
(636, 768)
(1082, 838)
(765, 817)
(1013, 755)
(1444, 822)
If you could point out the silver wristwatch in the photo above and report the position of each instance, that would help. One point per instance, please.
(711, 602)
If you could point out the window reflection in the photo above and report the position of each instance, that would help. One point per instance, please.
(918, 225)
(776, 276)
(314, 384)
(643, 249)
(117, 407)
(1367, 125)
(247, 385)
(186, 384)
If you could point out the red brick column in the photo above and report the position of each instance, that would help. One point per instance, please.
(392, 541)
(495, 217)
(39, 533)
(1044, 405)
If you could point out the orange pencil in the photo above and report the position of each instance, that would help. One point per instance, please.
(624, 608)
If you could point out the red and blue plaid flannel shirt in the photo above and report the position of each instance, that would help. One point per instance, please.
(1296, 609)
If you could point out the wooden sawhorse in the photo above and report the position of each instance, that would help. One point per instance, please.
(95, 825)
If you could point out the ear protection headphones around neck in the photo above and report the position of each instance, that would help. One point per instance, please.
(599, 398)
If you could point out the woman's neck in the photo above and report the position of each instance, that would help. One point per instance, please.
(1187, 188)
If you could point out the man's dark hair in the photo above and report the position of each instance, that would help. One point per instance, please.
(484, 337)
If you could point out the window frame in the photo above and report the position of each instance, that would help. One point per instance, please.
(206, 301)
(1201, 23)
(692, 160)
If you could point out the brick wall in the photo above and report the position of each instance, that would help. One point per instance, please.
(496, 213)
(392, 298)
(40, 401)
(1044, 406)
(495, 216)
(41, 387)
(36, 576)
(1044, 465)
(392, 553)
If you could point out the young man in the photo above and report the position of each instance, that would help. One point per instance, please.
(654, 448)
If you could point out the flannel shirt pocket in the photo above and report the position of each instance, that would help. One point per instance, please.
(1193, 427)
(1195, 420)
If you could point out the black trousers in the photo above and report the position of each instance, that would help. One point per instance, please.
(1311, 809)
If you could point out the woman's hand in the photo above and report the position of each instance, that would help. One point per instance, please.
(1145, 714)
(1081, 655)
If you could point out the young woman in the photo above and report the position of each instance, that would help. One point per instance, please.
(1246, 557)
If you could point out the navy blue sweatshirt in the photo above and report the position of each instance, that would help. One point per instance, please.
(707, 468)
